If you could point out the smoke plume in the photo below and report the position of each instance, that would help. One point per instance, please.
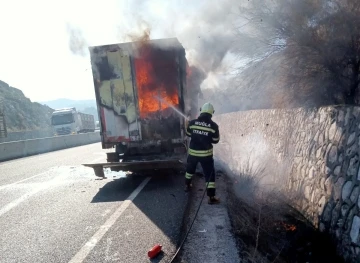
(259, 54)
(77, 42)
(205, 29)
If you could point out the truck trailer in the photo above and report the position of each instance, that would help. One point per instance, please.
(141, 96)
(70, 121)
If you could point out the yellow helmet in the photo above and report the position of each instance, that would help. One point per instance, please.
(207, 108)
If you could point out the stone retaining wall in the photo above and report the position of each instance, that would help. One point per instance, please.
(309, 155)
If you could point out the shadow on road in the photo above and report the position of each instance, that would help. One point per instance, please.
(162, 201)
(117, 189)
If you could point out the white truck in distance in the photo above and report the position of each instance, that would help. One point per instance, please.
(70, 121)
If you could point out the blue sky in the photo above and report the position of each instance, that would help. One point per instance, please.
(34, 50)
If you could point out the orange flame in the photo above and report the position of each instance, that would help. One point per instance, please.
(289, 227)
(156, 77)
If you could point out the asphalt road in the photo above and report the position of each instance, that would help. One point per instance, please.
(52, 209)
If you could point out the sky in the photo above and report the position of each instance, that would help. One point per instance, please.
(34, 48)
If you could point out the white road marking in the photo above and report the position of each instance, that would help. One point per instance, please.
(89, 246)
(23, 180)
(16, 202)
(40, 174)
(24, 197)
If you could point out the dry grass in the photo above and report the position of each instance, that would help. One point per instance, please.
(267, 229)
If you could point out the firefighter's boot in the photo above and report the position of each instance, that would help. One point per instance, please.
(213, 200)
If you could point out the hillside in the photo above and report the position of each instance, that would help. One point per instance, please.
(20, 113)
(85, 106)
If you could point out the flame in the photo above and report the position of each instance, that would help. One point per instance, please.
(289, 227)
(156, 77)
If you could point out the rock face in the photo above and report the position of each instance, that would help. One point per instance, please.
(311, 156)
(21, 114)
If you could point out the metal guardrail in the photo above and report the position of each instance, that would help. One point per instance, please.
(3, 131)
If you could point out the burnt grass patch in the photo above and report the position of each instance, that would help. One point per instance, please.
(267, 231)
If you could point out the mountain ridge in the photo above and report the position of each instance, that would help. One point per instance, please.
(21, 114)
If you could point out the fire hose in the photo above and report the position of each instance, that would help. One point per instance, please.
(192, 223)
(158, 247)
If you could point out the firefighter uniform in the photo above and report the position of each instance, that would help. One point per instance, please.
(203, 133)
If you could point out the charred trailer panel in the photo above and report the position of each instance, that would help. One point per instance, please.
(139, 88)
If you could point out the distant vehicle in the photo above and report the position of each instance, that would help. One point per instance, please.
(70, 121)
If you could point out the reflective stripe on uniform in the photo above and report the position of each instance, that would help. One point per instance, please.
(201, 153)
(202, 128)
(211, 185)
(188, 133)
(188, 176)
(216, 139)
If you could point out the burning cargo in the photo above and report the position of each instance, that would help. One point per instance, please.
(140, 90)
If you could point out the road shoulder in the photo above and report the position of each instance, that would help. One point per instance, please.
(210, 239)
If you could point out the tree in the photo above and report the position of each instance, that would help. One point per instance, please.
(318, 39)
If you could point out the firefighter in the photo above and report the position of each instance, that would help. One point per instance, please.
(203, 133)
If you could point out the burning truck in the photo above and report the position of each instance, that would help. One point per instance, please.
(141, 95)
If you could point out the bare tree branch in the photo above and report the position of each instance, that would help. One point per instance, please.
(321, 44)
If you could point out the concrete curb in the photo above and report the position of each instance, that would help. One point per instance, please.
(20, 149)
(211, 239)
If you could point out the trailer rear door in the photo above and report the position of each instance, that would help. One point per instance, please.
(115, 95)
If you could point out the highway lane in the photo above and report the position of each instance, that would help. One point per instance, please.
(52, 209)
(37, 164)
